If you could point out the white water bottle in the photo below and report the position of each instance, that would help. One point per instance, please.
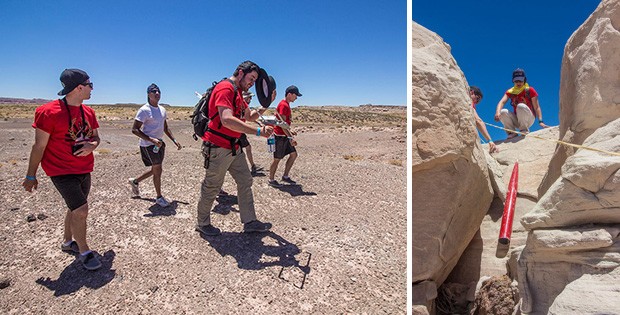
(271, 143)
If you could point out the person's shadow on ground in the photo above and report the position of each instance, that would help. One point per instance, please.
(159, 211)
(252, 253)
(225, 204)
(295, 190)
(75, 276)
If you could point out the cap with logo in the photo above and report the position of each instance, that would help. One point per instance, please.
(518, 75)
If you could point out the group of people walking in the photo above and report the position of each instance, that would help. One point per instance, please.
(66, 134)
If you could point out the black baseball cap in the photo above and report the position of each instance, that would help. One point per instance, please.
(152, 88)
(70, 79)
(518, 75)
(292, 89)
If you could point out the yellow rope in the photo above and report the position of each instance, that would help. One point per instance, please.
(556, 141)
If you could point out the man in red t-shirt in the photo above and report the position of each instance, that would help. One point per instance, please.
(524, 100)
(285, 144)
(65, 137)
(222, 150)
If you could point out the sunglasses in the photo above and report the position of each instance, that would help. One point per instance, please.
(87, 84)
(154, 91)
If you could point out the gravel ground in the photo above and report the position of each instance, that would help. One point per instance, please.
(338, 243)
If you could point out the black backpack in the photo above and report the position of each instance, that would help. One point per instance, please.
(200, 118)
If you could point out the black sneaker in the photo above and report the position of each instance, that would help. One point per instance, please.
(256, 226)
(208, 230)
(72, 248)
(90, 261)
(274, 183)
(288, 180)
(253, 170)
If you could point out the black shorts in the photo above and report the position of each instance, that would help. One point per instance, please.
(283, 147)
(243, 140)
(73, 188)
(151, 158)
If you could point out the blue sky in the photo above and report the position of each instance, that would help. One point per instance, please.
(489, 39)
(336, 52)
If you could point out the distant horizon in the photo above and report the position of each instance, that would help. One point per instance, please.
(2, 102)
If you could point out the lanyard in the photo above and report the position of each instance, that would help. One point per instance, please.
(64, 100)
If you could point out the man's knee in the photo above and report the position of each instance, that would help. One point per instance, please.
(80, 213)
(157, 169)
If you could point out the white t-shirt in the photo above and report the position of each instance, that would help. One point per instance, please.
(152, 119)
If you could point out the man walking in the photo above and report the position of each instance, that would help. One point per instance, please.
(285, 144)
(65, 137)
(150, 125)
(223, 153)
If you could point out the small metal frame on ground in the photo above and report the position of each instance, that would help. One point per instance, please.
(303, 269)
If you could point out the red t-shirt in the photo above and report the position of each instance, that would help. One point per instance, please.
(222, 96)
(284, 109)
(58, 158)
(521, 98)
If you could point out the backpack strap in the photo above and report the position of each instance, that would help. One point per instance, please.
(230, 139)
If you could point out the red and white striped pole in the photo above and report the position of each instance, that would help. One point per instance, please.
(509, 207)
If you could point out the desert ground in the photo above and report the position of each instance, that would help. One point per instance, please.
(338, 242)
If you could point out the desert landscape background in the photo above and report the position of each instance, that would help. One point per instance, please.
(338, 243)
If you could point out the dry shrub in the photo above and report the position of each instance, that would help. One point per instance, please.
(396, 162)
(353, 158)
(104, 151)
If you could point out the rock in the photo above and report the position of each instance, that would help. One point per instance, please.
(31, 217)
(451, 187)
(496, 297)
(571, 261)
(589, 83)
(5, 283)
(41, 216)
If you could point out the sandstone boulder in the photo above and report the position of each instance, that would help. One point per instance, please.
(570, 264)
(451, 187)
(590, 85)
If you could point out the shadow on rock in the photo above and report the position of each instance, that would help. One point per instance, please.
(225, 204)
(295, 190)
(75, 276)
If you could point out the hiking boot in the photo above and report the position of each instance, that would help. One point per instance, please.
(162, 202)
(288, 180)
(253, 170)
(90, 261)
(274, 183)
(72, 248)
(256, 226)
(208, 230)
(134, 187)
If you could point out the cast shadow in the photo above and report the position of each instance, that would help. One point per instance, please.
(256, 251)
(295, 190)
(225, 204)
(513, 140)
(159, 211)
(74, 276)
